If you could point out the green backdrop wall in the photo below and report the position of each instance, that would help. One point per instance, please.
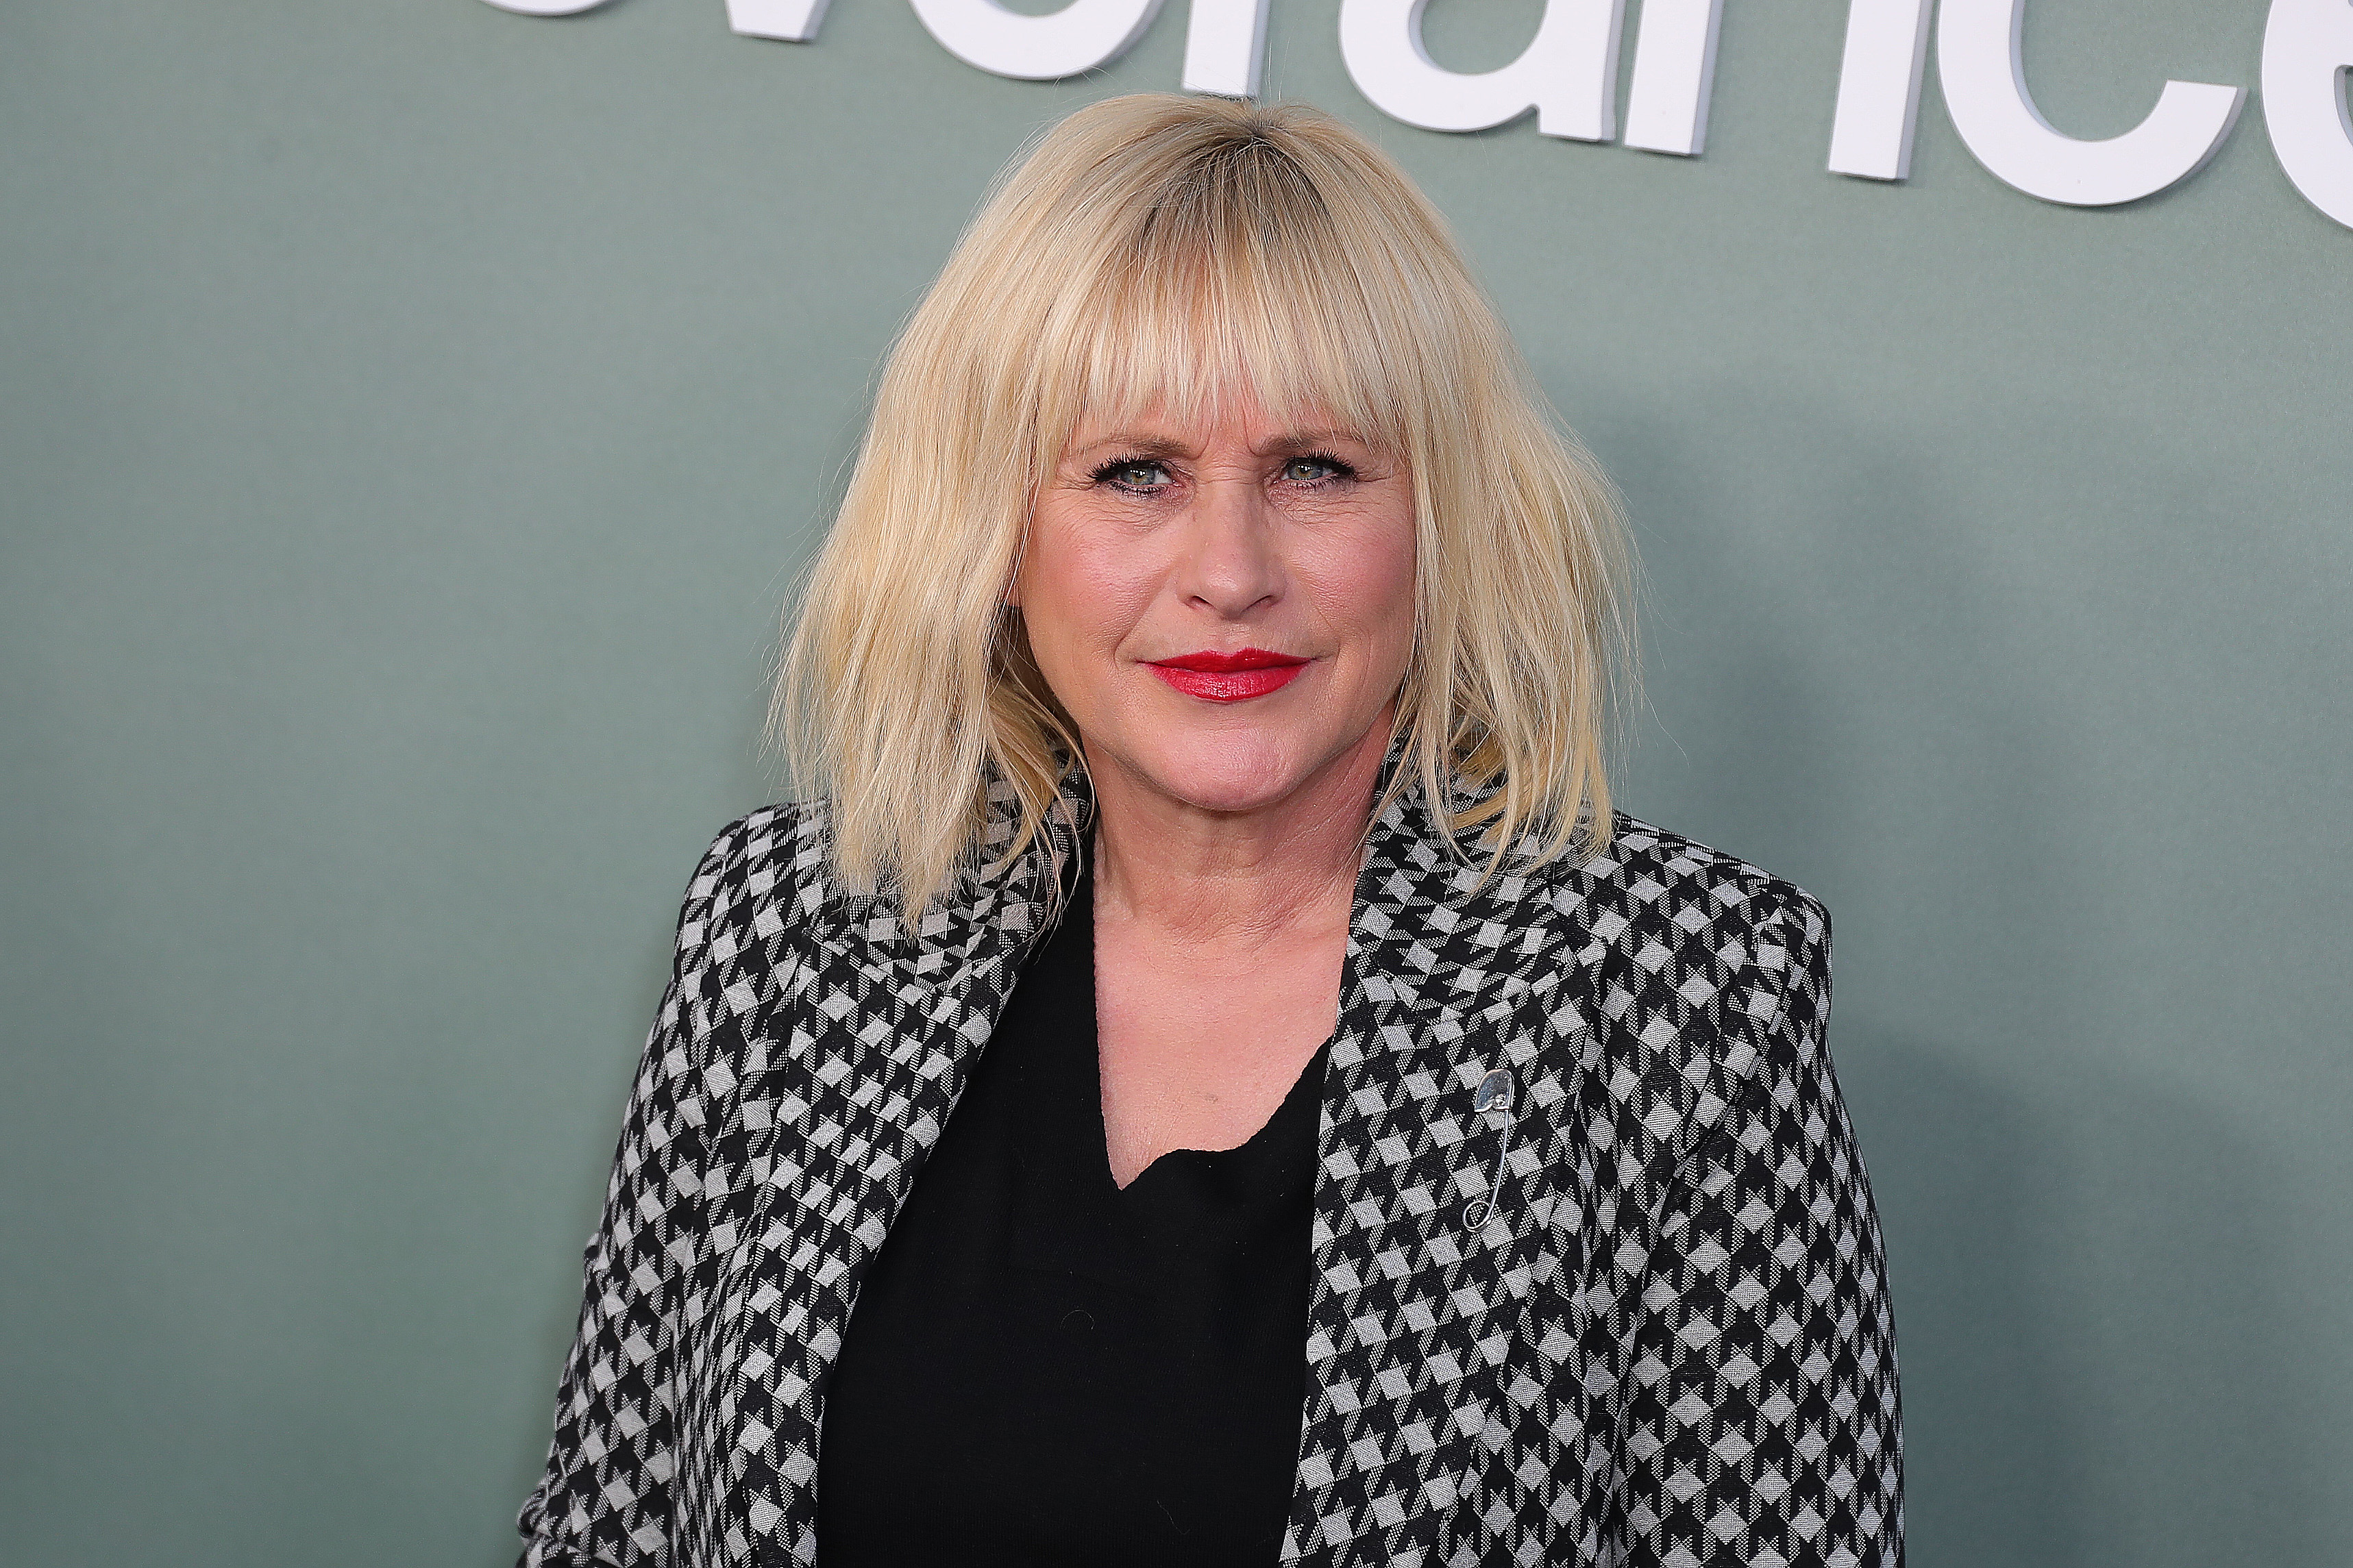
(414, 413)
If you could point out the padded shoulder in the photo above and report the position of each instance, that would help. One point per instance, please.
(763, 871)
(1700, 965)
(762, 878)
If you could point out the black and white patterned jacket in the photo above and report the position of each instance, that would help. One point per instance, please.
(1640, 1318)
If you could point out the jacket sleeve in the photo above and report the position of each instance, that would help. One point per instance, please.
(605, 1496)
(1763, 1425)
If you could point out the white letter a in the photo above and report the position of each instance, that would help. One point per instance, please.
(1568, 74)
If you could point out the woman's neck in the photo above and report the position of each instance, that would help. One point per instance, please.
(1175, 868)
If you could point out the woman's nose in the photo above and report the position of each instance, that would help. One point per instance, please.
(1231, 565)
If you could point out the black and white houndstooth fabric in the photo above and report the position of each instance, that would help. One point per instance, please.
(1638, 1317)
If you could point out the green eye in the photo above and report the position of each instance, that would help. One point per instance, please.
(1315, 470)
(1133, 476)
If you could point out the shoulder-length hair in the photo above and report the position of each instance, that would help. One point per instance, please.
(1159, 249)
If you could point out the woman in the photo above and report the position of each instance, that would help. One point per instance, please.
(1365, 1146)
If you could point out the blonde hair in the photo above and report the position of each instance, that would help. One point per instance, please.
(1166, 249)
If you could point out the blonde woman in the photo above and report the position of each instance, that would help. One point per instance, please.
(1210, 1080)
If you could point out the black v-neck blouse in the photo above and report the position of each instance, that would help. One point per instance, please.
(1043, 1368)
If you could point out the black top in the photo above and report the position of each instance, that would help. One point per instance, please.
(1043, 1368)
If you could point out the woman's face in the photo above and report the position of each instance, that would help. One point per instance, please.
(1224, 603)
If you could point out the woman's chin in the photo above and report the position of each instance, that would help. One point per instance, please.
(1227, 773)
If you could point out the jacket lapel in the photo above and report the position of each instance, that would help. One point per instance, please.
(854, 1068)
(1433, 1222)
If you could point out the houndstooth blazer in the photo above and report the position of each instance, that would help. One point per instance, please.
(1639, 1317)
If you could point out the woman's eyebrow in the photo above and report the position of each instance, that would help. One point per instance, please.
(1140, 446)
(1291, 443)
(1295, 442)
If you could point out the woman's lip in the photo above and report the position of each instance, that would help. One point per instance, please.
(1214, 662)
(1229, 685)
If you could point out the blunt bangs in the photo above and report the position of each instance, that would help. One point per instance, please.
(1220, 292)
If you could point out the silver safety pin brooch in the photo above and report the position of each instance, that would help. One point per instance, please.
(1498, 1093)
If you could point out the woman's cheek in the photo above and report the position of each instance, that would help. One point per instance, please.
(1366, 587)
(1111, 591)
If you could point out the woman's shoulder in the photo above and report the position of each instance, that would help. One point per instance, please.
(1647, 865)
(762, 871)
(776, 844)
(1675, 912)
(1698, 968)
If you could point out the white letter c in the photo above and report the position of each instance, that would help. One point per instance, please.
(1979, 60)
(2307, 48)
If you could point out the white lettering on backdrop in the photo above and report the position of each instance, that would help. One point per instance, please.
(2307, 49)
(1674, 75)
(547, 8)
(1568, 74)
(1224, 42)
(1879, 88)
(794, 21)
(1080, 36)
(1984, 76)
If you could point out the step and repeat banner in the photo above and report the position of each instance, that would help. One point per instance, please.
(418, 416)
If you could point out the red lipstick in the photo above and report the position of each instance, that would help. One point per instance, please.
(1229, 677)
